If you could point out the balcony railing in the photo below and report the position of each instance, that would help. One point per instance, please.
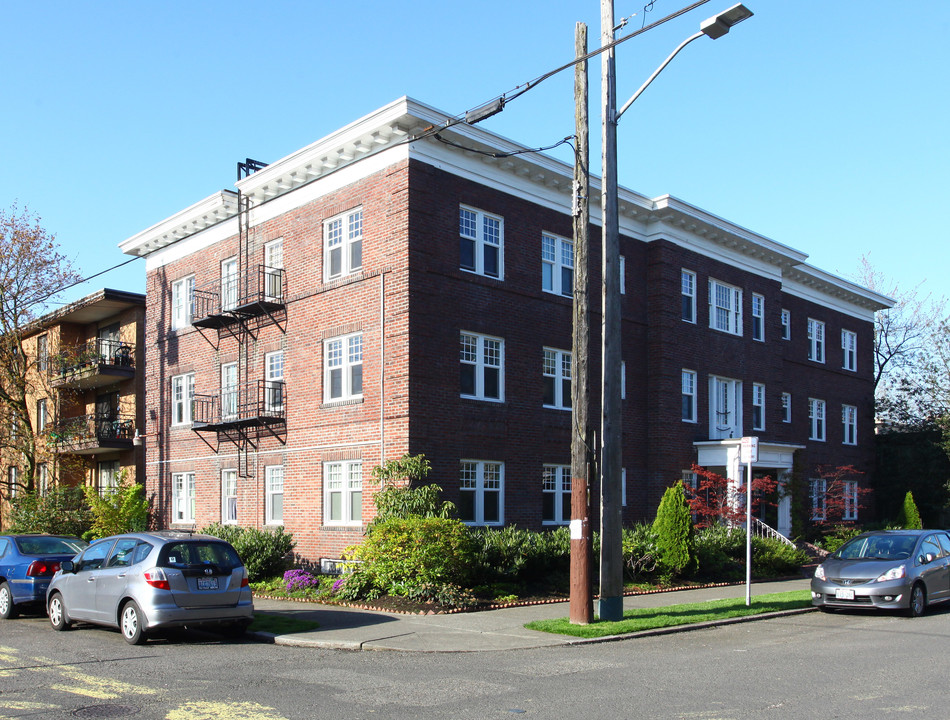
(89, 434)
(92, 364)
(254, 404)
(258, 291)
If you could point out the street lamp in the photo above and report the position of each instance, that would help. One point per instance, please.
(611, 558)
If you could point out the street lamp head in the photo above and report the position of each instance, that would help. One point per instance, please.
(718, 25)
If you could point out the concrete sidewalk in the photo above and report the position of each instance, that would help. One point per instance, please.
(502, 629)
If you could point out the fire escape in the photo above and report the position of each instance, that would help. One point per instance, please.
(248, 297)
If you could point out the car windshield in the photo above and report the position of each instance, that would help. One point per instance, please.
(199, 552)
(41, 545)
(878, 547)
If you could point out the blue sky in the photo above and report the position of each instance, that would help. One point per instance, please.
(821, 126)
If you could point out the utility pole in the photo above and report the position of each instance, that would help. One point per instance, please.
(611, 556)
(581, 605)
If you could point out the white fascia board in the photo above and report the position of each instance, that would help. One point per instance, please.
(196, 242)
(716, 251)
(205, 213)
(816, 286)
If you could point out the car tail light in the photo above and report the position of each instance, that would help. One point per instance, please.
(40, 568)
(156, 578)
(244, 582)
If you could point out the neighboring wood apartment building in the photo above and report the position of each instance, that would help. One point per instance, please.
(386, 291)
(84, 385)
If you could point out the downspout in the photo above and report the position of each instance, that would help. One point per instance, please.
(382, 368)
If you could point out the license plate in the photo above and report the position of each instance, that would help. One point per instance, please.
(212, 584)
(844, 594)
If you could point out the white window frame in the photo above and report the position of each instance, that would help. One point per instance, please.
(109, 473)
(557, 265)
(849, 493)
(183, 498)
(343, 234)
(816, 340)
(557, 369)
(758, 406)
(481, 477)
(182, 395)
(786, 407)
(817, 413)
(13, 479)
(688, 296)
(42, 477)
(273, 270)
(725, 404)
(486, 234)
(230, 395)
(725, 307)
(229, 284)
(229, 496)
(758, 317)
(42, 353)
(343, 482)
(42, 415)
(818, 494)
(274, 381)
(849, 350)
(688, 380)
(183, 302)
(273, 489)
(344, 355)
(849, 422)
(556, 482)
(786, 324)
(486, 354)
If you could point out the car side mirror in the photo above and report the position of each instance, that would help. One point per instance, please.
(930, 557)
(67, 566)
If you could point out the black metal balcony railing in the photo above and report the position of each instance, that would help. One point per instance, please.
(87, 434)
(93, 363)
(257, 291)
(258, 403)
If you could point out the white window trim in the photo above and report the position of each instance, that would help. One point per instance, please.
(558, 264)
(758, 317)
(816, 340)
(348, 238)
(479, 490)
(183, 498)
(346, 364)
(480, 242)
(850, 497)
(733, 311)
(849, 350)
(230, 395)
(561, 476)
(786, 407)
(350, 479)
(183, 302)
(691, 393)
(270, 474)
(230, 284)
(758, 401)
(560, 375)
(228, 477)
(688, 294)
(786, 324)
(274, 381)
(480, 366)
(818, 495)
(187, 381)
(849, 421)
(817, 417)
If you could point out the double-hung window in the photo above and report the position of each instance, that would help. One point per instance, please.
(42, 353)
(41, 415)
(482, 366)
(849, 348)
(849, 422)
(850, 492)
(183, 392)
(688, 296)
(557, 379)
(816, 340)
(758, 317)
(725, 308)
(274, 270)
(183, 302)
(274, 492)
(556, 500)
(343, 363)
(229, 497)
(482, 492)
(786, 407)
(758, 406)
(481, 243)
(816, 416)
(343, 244)
(786, 325)
(229, 392)
(183, 497)
(818, 495)
(343, 492)
(109, 475)
(557, 265)
(274, 382)
(229, 284)
(688, 394)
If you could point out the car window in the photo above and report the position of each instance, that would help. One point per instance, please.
(878, 547)
(199, 552)
(121, 555)
(929, 546)
(141, 552)
(4, 546)
(944, 541)
(94, 555)
(42, 545)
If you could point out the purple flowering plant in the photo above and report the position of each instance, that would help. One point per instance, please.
(299, 579)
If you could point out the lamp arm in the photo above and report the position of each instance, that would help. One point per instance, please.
(656, 72)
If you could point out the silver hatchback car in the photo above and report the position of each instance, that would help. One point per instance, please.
(140, 582)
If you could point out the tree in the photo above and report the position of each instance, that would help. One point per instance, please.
(675, 540)
(842, 499)
(713, 502)
(909, 517)
(32, 272)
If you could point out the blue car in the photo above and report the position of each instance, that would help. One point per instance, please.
(27, 564)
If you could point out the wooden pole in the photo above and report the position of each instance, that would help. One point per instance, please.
(581, 605)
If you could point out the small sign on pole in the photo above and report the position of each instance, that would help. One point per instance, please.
(748, 454)
(749, 450)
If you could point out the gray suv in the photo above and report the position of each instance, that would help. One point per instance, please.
(140, 582)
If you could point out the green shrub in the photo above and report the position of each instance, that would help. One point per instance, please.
(638, 545)
(399, 554)
(405, 502)
(909, 517)
(264, 552)
(774, 558)
(117, 510)
(675, 544)
(521, 557)
(720, 553)
(838, 537)
(61, 511)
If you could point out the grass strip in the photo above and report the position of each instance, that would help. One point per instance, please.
(639, 619)
(281, 624)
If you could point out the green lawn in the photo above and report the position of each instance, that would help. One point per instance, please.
(685, 614)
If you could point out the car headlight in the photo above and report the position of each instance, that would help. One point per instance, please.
(895, 573)
(820, 573)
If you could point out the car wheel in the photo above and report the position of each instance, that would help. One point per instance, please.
(918, 601)
(57, 613)
(6, 602)
(132, 623)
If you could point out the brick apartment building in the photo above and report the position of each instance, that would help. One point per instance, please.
(83, 396)
(380, 293)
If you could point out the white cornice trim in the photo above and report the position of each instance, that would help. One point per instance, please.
(810, 283)
(200, 216)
